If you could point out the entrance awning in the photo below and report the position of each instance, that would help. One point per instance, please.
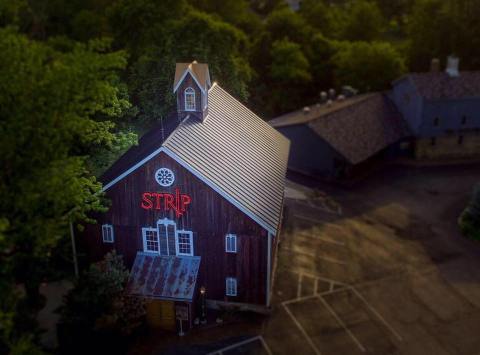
(164, 277)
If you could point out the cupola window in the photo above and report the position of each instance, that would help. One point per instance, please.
(189, 99)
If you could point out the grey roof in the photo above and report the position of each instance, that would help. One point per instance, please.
(314, 111)
(359, 131)
(198, 70)
(233, 150)
(241, 155)
(440, 85)
(357, 128)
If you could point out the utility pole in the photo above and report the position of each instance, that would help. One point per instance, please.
(74, 249)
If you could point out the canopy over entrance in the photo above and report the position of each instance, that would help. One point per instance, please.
(164, 277)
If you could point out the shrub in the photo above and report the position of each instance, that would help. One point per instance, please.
(98, 308)
(469, 220)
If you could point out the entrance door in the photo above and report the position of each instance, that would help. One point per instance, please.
(161, 314)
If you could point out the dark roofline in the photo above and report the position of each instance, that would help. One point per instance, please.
(314, 114)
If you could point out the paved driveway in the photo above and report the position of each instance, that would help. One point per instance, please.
(379, 268)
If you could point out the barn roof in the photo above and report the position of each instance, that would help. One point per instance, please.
(164, 277)
(233, 151)
(440, 85)
(356, 128)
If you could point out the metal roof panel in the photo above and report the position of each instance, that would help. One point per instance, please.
(164, 277)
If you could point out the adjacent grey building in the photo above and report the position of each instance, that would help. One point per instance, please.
(433, 115)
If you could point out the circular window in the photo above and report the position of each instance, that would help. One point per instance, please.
(164, 177)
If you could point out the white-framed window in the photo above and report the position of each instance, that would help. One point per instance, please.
(151, 244)
(189, 99)
(167, 236)
(167, 240)
(231, 243)
(107, 233)
(231, 286)
(184, 243)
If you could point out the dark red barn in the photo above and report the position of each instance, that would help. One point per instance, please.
(198, 203)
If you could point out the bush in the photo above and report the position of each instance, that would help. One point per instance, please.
(469, 220)
(98, 309)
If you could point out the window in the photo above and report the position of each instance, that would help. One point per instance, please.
(464, 120)
(166, 233)
(460, 140)
(433, 141)
(231, 286)
(184, 244)
(189, 99)
(167, 240)
(107, 233)
(231, 243)
(436, 121)
(151, 243)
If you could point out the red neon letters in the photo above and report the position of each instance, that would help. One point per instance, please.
(166, 201)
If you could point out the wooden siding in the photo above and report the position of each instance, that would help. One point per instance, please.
(209, 217)
(189, 82)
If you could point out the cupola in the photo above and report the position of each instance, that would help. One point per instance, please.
(192, 81)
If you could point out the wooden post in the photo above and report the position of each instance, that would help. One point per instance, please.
(74, 249)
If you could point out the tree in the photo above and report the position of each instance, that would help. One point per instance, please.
(431, 33)
(56, 106)
(439, 28)
(367, 66)
(100, 303)
(285, 23)
(327, 19)
(319, 54)
(136, 24)
(289, 73)
(234, 12)
(364, 22)
(196, 37)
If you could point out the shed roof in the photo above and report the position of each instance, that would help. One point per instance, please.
(233, 151)
(314, 111)
(164, 277)
(440, 85)
(359, 131)
(357, 128)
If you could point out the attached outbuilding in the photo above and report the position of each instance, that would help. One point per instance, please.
(338, 138)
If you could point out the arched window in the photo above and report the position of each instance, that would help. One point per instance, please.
(189, 99)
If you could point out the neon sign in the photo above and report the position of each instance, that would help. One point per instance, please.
(165, 201)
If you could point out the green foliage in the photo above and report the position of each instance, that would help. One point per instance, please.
(439, 28)
(469, 220)
(99, 300)
(196, 36)
(56, 106)
(367, 66)
(288, 63)
(364, 22)
(284, 23)
(321, 16)
(222, 46)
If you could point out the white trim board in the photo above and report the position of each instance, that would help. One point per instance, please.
(183, 78)
(198, 175)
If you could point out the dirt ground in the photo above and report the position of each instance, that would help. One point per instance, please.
(378, 268)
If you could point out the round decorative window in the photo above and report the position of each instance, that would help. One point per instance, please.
(164, 177)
